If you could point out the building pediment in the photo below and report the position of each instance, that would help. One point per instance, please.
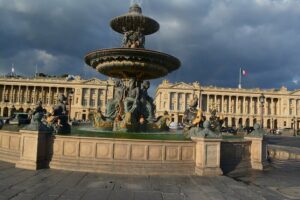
(182, 85)
(94, 81)
(296, 92)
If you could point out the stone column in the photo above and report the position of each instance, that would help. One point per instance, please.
(208, 152)
(229, 122)
(11, 94)
(207, 102)
(169, 101)
(43, 95)
(215, 101)
(3, 93)
(57, 94)
(89, 97)
(19, 94)
(97, 97)
(177, 103)
(34, 93)
(26, 94)
(49, 96)
(34, 150)
(229, 103)
(200, 101)
(236, 104)
(258, 151)
(222, 104)
(258, 105)
(243, 106)
(251, 106)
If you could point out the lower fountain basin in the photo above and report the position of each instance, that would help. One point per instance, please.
(138, 63)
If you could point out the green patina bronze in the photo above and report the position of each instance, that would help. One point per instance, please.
(258, 131)
(132, 109)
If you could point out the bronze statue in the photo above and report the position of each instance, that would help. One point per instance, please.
(192, 116)
(132, 98)
(58, 118)
(133, 39)
(148, 108)
(38, 122)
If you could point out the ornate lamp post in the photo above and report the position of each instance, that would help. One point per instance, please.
(262, 101)
(70, 104)
(294, 126)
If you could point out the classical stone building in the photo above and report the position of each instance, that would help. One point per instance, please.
(238, 106)
(85, 96)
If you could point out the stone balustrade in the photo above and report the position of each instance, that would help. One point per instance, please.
(204, 157)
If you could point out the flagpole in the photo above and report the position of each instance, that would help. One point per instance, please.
(240, 78)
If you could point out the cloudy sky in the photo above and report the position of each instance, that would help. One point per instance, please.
(212, 38)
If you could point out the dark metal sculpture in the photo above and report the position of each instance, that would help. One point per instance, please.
(38, 122)
(132, 109)
(58, 118)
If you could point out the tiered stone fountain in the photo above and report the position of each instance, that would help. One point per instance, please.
(132, 109)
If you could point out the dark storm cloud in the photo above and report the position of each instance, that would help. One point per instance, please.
(212, 38)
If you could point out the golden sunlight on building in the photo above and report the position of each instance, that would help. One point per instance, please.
(237, 106)
(19, 94)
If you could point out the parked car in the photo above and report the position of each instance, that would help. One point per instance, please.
(228, 130)
(19, 118)
(175, 126)
(284, 131)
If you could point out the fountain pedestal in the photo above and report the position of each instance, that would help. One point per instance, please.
(208, 151)
(33, 150)
(258, 151)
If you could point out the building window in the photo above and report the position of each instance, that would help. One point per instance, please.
(172, 106)
(180, 107)
(93, 92)
(84, 102)
(92, 103)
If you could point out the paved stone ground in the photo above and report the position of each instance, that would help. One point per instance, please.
(274, 183)
(284, 140)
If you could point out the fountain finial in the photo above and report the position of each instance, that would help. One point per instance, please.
(135, 8)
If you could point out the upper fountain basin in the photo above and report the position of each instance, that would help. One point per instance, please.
(142, 64)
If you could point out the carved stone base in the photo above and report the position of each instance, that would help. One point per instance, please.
(208, 171)
(33, 150)
(208, 152)
(258, 152)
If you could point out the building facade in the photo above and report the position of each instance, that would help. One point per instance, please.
(281, 108)
(19, 94)
(238, 106)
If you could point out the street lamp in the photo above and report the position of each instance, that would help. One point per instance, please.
(262, 101)
(70, 102)
(294, 125)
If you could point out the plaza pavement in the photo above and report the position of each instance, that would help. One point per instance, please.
(279, 181)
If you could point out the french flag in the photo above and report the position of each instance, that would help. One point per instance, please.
(244, 72)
